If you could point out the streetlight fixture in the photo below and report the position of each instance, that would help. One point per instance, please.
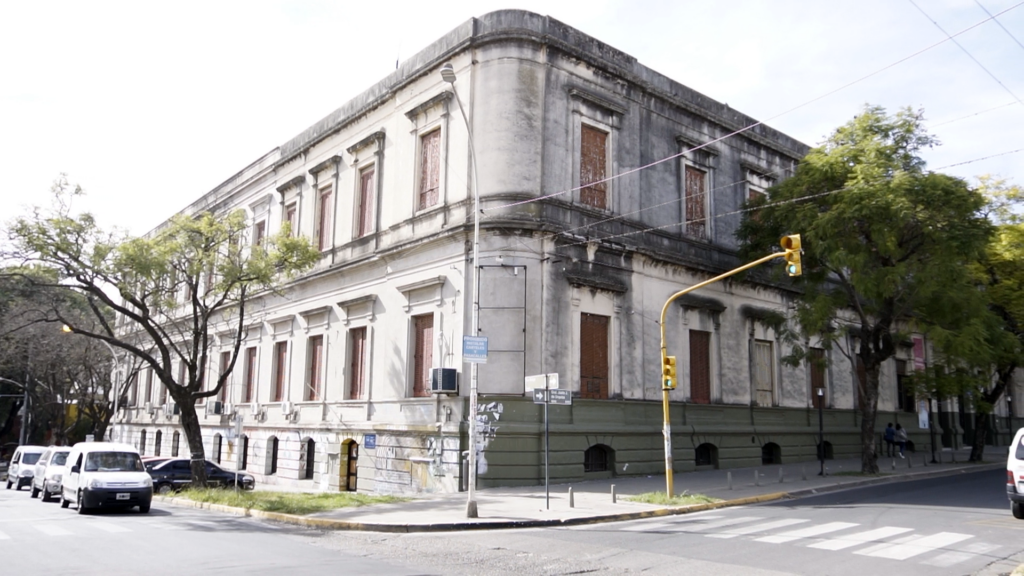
(448, 75)
(821, 429)
(117, 369)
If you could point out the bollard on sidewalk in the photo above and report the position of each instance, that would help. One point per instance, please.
(780, 474)
(572, 501)
(757, 478)
(613, 493)
(728, 479)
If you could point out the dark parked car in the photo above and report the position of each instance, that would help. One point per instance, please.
(175, 474)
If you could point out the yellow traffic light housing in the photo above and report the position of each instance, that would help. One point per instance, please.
(791, 244)
(668, 372)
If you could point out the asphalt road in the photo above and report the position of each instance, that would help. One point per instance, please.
(951, 525)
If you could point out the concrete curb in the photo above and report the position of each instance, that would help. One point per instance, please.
(333, 524)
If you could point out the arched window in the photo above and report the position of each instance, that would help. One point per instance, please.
(309, 459)
(771, 454)
(598, 458)
(706, 455)
(218, 443)
(157, 441)
(272, 455)
(175, 440)
(142, 443)
(243, 452)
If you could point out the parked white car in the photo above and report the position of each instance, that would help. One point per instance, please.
(105, 475)
(22, 466)
(49, 471)
(1015, 475)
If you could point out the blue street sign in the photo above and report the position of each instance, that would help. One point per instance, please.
(474, 349)
(369, 441)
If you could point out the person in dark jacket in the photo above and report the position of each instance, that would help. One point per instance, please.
(890, 438)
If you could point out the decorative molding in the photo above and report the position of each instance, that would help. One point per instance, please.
(591, 280)
(292, 183)
(408, 289)
(312, 318)
(443, 97)
(701, 303)
(374, 138)
(369, 302)
(332, 161)
(282, 326)
(600, 102)
(692, 142)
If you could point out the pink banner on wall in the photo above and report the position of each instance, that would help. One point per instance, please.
(918, 352)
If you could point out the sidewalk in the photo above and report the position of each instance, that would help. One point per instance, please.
(525, 506)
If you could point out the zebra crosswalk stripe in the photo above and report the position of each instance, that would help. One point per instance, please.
(107, 527)
(913, 546)
(807, 532)
(4, 536)
(947, 559)
(765, 527)
(851, 540)
(52, 530)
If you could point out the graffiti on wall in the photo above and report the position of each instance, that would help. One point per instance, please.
(487, 418)
(390, 466)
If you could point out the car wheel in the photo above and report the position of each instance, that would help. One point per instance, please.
(8, 484)
(35, 492)
(1018, 510)
(164, 489)
(17, 484)
(63, 501)
(45, 495)
(144, 509)
(81, 505)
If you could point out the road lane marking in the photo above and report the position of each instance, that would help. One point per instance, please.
(107, 527)
(913, 547)
(51, 530)
(947, 559)
(4, 536)
(718, 524)
(859, 538)
(661, 525)
(807, 532)
(765, 527)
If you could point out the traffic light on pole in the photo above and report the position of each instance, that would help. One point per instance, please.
(668, 372)
(791, 244)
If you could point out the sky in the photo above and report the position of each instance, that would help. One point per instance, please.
(149, 105)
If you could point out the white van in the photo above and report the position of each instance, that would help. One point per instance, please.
(49, 471)
(1015, 475)
(23, 465)
(105, 475)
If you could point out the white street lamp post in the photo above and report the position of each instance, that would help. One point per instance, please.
(448, 75)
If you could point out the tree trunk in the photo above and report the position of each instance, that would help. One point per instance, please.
(194, 436)
(868, 457)
(981, 428)
(12, 417)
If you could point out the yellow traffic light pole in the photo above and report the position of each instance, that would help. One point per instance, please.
(792, 247)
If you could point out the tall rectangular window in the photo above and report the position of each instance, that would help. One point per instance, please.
(700, 367)
(250, 374)
(593, 356)
(816, 360)
(259, 232)
(280, 371)
(764, 373)
(314, 367)
(225, 361)
(423, 354)
(904, 393)
(148, 396)
(593, 167)
(323, 218)
(133, 391)
(364, 214)
(357, 363)
(291, 213)
(696, 202)
(430, 169)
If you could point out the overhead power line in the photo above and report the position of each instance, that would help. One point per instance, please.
(1008, 33)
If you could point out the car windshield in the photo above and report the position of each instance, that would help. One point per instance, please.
(30, 457)
(59, 459)
(113, 462)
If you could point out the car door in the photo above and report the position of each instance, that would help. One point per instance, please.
(181, 473)
(70, 483)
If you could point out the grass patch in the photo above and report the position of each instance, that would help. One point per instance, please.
(287, 502)
(661, 498)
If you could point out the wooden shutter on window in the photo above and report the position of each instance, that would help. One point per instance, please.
(423, 359)
(316, 355)
(696, 224)
(430, 169)
(324, 220)
(289, 217)
(250, 372)
(357, 365)
(225, 361)
(593, 159)
(365, 223)
(700, 367)
(817, 366)
(764, 373)
(280, 370)
(593, 356)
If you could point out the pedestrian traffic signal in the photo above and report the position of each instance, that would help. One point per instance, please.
(668, 372)
(791, 244)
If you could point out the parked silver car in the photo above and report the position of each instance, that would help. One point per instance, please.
(49, 471)
(22, 466)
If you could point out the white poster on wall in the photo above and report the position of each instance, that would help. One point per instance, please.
(922, 414)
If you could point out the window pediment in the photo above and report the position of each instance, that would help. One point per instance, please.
(429, 290)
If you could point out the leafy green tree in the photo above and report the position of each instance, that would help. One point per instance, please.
(886, 243)
(171, 291)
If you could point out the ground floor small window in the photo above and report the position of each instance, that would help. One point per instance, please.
(272, 455)
(243, 453)
(157, 441)
(175, 440)
(706, 455)
(771, 454)
(597, 458)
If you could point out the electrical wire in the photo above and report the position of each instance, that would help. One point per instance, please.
(969, 55)
(1008, 33)
(944, 122)
(980, 159)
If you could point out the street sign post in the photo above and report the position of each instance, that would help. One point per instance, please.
(544, 388)
(238, 434)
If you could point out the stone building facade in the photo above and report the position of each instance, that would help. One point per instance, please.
(605, 187)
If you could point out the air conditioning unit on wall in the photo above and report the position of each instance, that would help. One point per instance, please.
(150, 409)
(287, 408)
(215, 407)
(444, 381)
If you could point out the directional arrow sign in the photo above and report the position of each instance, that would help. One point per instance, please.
(539, 396)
